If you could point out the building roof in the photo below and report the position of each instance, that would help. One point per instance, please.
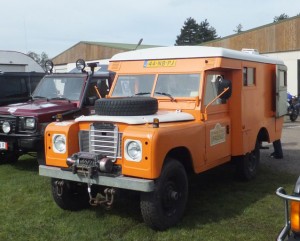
(89, 50)
(13, 58)
(123, 46)
(181, 52)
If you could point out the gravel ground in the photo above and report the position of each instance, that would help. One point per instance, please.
(291, 150)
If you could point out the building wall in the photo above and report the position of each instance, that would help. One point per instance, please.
(85, 51)
(273, 38)
(291, 61)
(278, 40)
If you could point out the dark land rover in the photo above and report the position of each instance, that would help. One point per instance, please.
(62, 95)
(18, 86)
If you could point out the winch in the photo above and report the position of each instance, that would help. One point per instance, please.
(91, 163)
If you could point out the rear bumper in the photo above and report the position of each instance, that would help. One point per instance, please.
(131, 183)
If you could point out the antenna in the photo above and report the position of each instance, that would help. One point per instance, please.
(139, 43)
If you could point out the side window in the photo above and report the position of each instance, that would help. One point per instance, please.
(282, 78)
(211, 89)
(100, 85)
(248, 76)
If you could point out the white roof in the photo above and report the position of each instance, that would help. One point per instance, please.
(182, 52)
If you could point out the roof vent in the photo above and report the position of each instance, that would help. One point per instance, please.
(250, 51)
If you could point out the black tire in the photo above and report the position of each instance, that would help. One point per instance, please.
(9, 157)
(247, 165)
(294, 115)
(164, 207)
(40, 156)
(71, 196)
(127, 106)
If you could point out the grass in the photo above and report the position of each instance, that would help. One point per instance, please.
(219, 208)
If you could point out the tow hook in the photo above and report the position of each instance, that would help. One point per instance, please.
(59, 187)
(105, 200)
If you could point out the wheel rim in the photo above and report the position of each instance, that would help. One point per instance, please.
(252, 161)
(171, 197)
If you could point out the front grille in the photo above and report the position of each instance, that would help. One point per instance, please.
(17, 124)
(12, 120)
(102, 138)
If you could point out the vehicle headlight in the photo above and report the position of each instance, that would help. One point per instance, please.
(29, 123)
(6, 127)
(133, 150)
(59, 143)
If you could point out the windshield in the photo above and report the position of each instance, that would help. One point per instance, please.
(59, 87)
(170, 85)
(129, 85)
(178, 85)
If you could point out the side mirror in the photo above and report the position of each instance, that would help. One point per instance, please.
(222, 86)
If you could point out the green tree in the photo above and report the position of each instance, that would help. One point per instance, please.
(193, 33)
(280, 17)
(206, 32)
(39, 58)
(189, 33)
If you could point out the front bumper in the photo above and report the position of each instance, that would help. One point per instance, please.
(130, 183)
(26, 143)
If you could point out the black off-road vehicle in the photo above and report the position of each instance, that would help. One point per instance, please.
(18, 86)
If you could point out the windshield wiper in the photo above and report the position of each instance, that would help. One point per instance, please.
(143, 93)
(60, 98)
(38, 97)
(165, 94)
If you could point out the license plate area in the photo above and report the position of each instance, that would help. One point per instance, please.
(3, 145)
(87, 160)
(86, 163)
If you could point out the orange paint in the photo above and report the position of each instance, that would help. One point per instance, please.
(218, 131)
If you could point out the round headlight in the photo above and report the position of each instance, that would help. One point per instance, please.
(80, 64)
(6, 127)
(30, 123)
(59, 143)
(134, 150)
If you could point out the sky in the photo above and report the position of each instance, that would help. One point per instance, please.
(55, 26)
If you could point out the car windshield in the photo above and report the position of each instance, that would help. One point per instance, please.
(54, 87)
(177, 85)
(168, 85)
(130, 85)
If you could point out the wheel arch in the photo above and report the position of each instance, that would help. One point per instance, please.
(183, 155)
(263, 135)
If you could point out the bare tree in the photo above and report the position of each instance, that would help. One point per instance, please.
(39, 58)
(238, 28)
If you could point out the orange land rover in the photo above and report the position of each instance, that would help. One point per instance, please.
(171, 111)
